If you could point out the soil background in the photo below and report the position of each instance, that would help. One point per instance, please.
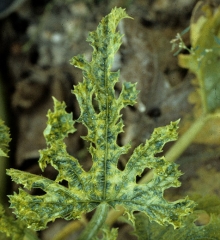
(37, 42)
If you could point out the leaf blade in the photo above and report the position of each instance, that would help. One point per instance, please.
(104, 182)
(4, 139)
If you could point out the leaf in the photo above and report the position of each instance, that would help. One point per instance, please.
(104, 182)
(204, 61)
(14, 229)
(4, 139)
(146, 230)
(208, 203)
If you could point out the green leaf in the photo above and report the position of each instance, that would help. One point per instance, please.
(204, 60)
(209, 203)
(4, 139)
(104, 182)
(146, 230)
(14, 229)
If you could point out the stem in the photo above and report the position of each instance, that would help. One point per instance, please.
(113, 215)
(96, 222)
(186, 139)
(69, 229)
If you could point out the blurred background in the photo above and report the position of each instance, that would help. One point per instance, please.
(37, 40)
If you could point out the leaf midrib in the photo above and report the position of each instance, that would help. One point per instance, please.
(106, 129)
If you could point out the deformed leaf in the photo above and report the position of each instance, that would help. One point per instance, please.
(146, 230)
(4, 139)
(104, 182)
